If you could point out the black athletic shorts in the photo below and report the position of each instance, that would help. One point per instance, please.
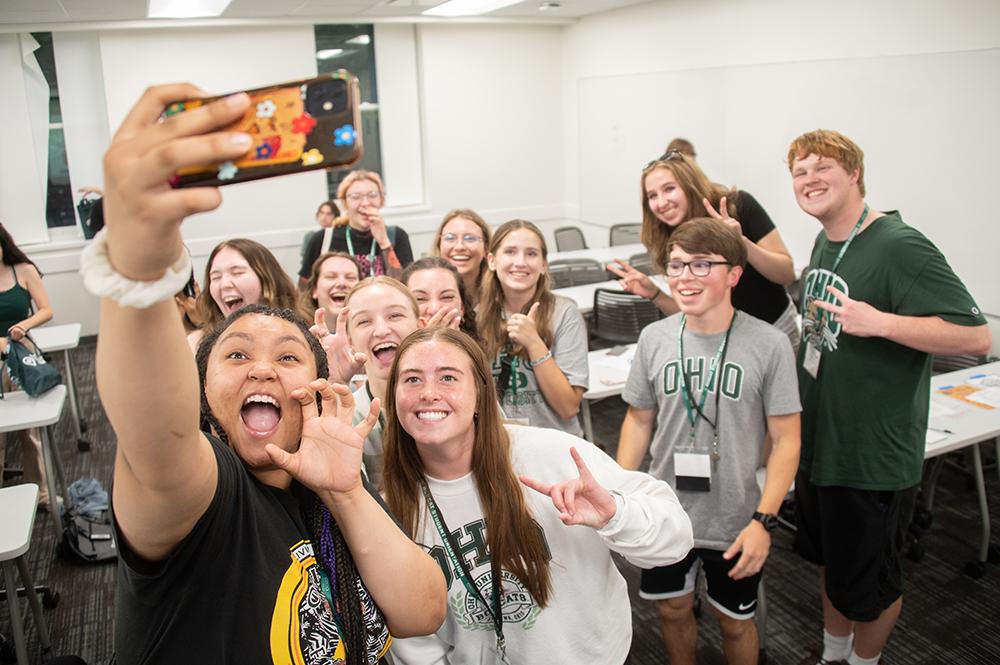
(858, 536)
(734, 598)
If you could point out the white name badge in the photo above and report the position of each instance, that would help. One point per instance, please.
(693, 472)
(810, 361)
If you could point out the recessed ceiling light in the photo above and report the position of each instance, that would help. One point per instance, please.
(186, 8)
(548, 6)
(327, 53)
(364, 40)
(468, 7)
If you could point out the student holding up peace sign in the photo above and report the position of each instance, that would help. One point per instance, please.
(675, 190)
(538, 340)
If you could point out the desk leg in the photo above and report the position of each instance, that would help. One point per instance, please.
(984, 509)
(34, 603)
(74, 407)
(51, 469)
(14, 603)
(588, 431)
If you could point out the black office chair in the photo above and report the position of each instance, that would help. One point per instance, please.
(625, 234)
(574, 272)
(619, 317)
(642, 262)
(569, 238)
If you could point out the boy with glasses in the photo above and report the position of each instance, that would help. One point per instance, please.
(705, 386)
(879, 299)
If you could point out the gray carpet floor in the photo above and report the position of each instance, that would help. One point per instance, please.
(947, 617)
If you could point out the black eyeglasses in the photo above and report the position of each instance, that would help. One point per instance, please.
(666, 157)
(699, 267)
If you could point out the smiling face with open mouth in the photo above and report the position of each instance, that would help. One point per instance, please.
(822, 186)
(337, 276)
(252, 370)
(232, 282)
(699, 296)
(436, 397)
(463, 245)
(381, 317)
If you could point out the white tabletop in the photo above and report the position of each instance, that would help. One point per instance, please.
(967, 422)
(57, 338)
(608, 371)
(17, 518)
(583, 295)
(18, 411)
(601, 254)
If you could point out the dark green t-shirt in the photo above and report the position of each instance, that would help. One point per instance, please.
(864, 418)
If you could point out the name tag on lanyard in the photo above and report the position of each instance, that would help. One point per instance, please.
(693, 472)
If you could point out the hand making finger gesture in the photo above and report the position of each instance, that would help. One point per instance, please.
(722, 214)
(854, 316)
(344, 362)
(374, 217)
(523, 329)
(633, 281)
(329, 455)
(581, 500)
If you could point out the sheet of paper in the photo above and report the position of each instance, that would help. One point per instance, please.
(934, 436)
(987, 396)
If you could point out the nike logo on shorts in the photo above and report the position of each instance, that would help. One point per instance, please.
(743, 607)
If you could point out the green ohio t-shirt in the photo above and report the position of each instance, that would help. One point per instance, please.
(864, 418)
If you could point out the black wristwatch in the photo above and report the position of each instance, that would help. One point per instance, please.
(769, 521)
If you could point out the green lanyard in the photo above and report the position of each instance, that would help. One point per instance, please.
(695, 411)
(821, 314)
(371, 254)
(462, 571)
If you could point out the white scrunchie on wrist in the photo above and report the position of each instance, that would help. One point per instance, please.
(101, 279)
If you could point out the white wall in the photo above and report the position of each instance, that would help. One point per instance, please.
(669, 51)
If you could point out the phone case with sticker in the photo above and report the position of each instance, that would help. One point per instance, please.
(297, 126)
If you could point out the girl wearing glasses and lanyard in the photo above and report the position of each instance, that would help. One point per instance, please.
(675, 190)
(379, 249)
(463, 238)
(538, 340)
(524, 584)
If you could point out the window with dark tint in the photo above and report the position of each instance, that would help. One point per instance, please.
(59, 194)
(352, 47)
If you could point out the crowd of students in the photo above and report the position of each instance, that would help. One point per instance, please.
(387, 459)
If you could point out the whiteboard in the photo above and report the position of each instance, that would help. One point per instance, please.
(928, 125)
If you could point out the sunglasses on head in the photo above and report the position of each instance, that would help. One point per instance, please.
(665, 157)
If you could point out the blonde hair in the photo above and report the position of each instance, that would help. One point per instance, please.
(473, 217)
(350, 179)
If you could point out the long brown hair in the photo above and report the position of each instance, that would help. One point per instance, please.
(276, 289)
(515, 541)
(695, 185)
(490, 312)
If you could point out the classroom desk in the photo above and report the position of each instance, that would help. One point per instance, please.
(64, 338)
(968, 425)
(17, 412)
(603, 255)
(583, 295)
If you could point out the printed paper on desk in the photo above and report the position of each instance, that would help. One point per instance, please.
(989, 397)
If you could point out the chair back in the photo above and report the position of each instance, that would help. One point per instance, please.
(569, 238)
(625, 234)
(619, 317)
(574, 272)
(944, 364)
(642, 262)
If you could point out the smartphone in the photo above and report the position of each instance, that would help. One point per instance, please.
(296, 126)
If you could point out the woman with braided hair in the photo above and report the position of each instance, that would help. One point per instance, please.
(261, 545)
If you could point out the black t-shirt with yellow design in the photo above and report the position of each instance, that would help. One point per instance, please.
(243, 587)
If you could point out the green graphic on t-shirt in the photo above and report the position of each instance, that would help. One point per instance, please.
(815, 289)
(696, 369)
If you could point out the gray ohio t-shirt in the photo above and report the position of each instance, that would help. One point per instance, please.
(523, 398)
(758, 380)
